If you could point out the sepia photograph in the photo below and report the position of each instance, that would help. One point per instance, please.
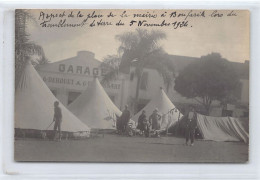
(132, 85)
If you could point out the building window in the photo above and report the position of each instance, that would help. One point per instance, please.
(54, 92)
(144, 81)
(72, 96)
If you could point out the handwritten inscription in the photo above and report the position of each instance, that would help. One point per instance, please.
(118, 18)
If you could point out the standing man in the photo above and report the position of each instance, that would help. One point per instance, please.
(155, 119)
(191, 124)
(146, 125)
(57, 118)
(125, 117)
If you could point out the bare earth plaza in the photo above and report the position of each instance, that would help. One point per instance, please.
(131, 86)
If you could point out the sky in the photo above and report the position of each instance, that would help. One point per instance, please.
(204, 34)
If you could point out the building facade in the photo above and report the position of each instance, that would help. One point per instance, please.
(68, 78)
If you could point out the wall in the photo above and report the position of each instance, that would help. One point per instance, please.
(75, 74)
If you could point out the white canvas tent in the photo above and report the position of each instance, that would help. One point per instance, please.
(95, 108)
(34, 107)
(221, 128)
(170, 114)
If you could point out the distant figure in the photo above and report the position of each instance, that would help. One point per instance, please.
(141, 120)
(155, 119)
(57, 118)
(125, 117)
(191, 124)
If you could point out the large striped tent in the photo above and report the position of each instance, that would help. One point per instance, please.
(95, 108)
(34, 107)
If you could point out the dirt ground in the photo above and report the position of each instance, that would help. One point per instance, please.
(114, 148)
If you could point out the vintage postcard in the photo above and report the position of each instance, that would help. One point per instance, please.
(132, 85)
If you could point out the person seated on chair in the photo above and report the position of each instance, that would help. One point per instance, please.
(130, 128)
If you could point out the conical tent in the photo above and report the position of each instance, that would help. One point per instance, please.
(170, 114)
(95, 108)
(34, 107)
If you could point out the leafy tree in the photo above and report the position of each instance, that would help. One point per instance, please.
(140, 49)
(24, 49)
(210, 78)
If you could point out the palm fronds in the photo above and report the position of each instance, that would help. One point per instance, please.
(24, 49)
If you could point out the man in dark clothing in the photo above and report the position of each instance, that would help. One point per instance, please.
(57, 118)
(155, 119)
(119, 125)
(141, 120)
(125, 117)
(147, 125)
(191, 124)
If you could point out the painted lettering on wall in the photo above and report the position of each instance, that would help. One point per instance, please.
(81, 70)
(58, 80)
(76, 83)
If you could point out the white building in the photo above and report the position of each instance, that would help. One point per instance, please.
(70, 77)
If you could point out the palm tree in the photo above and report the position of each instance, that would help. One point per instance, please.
(140, 49)
(24, 49)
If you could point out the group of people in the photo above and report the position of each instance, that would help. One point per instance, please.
(152, 123)
(145, 125)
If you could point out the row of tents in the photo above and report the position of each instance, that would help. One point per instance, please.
(93, 109)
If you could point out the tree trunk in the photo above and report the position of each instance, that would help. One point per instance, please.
(167, 87)
(207, 105)
(137, 92)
